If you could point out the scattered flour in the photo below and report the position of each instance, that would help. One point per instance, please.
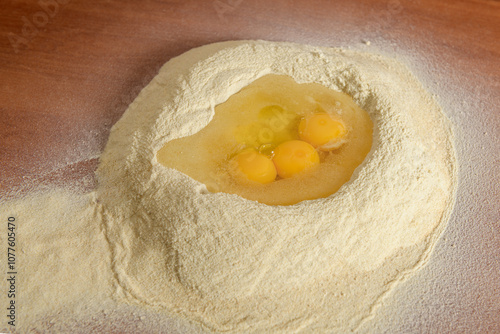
(154, 238)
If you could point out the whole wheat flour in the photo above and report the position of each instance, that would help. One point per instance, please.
(165, 243)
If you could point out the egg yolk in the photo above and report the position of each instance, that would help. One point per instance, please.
(322, 131)
(293, 157)
(254, 166)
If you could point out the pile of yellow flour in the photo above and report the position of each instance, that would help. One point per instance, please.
(153, 239)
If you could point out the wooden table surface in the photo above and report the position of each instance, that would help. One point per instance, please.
(68, 70)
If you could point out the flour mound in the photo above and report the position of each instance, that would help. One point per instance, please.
(232, 264)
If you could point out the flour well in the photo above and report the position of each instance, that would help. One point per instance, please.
(166, 244)
(234, 264)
